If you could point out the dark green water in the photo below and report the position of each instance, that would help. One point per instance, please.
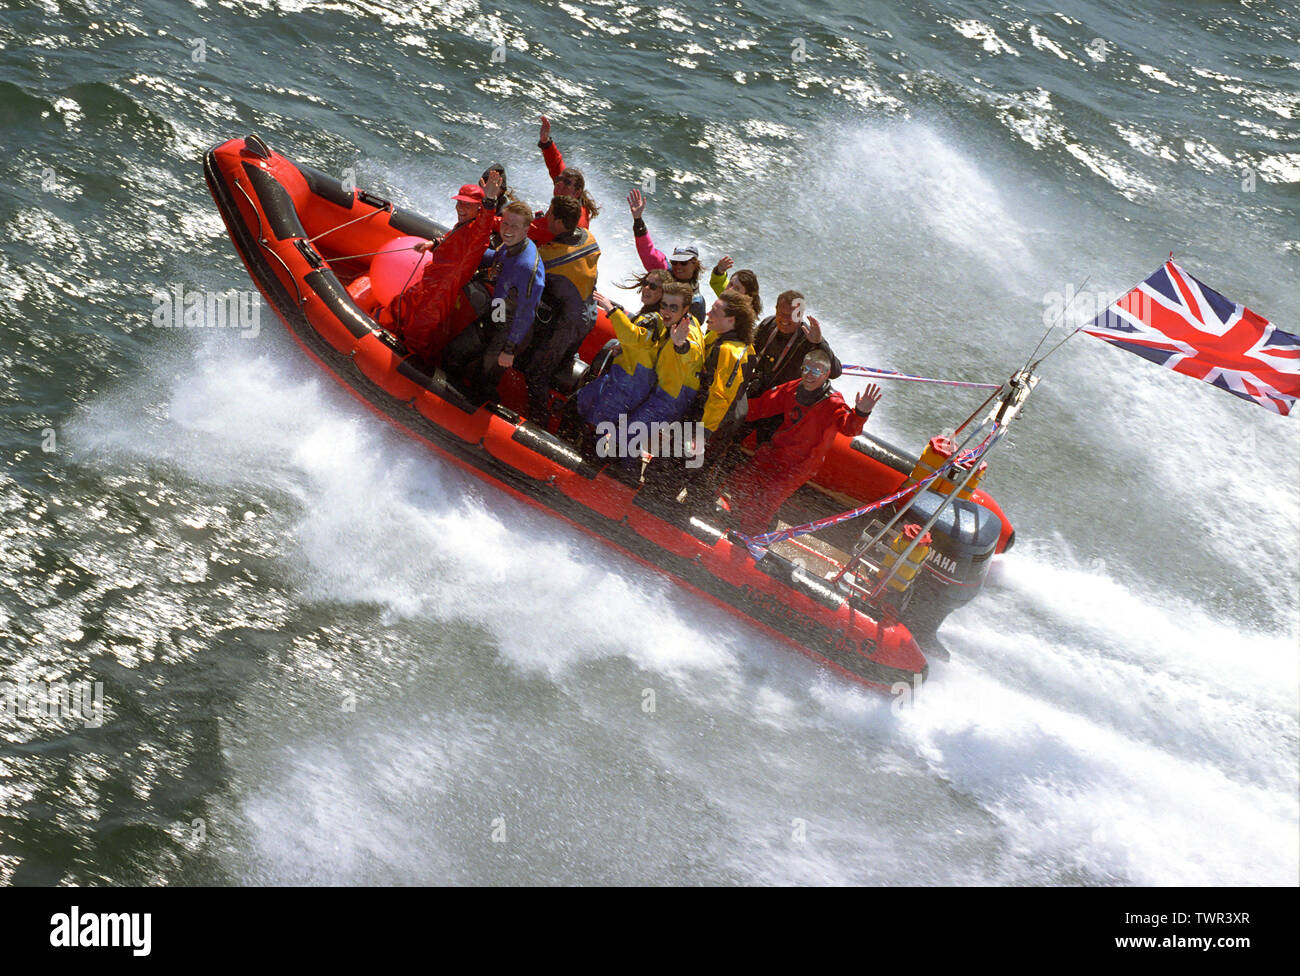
(326, 657)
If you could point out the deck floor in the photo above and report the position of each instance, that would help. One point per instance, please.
(830, 546)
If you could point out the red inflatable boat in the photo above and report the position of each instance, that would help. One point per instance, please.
(272, 207)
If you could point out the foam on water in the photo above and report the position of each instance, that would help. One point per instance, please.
(1072, 787)
(383, 521)
(946, 190)
(1089, 699)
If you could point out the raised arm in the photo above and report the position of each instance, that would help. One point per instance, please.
(718, 279)
(550, 151)
(851, 422)
(627, 332)
(651, 257)
(812, 329)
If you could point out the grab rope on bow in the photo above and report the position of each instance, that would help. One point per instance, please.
(872, 372)
(387, 208)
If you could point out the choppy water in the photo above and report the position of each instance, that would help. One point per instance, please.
(328, 657)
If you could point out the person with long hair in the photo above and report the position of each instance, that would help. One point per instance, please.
(719, 408)
(568, 182)
(726, 370)
(644, 367)
(650, 284)
(683, 263)
(744, 281)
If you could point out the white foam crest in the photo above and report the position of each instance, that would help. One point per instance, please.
(433, 543)
(353, 811)
(946, 190)
(386, 521)
(1111, 621)
(1073, 794)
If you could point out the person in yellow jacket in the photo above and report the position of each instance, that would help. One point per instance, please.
(677, 362)
(726, 370)
(570, 261)
(631, 374)
(720, 406)
(744, 280)
(659, 356)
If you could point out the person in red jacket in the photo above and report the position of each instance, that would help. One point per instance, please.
(812, 414)
(569, 182)
(422, 313)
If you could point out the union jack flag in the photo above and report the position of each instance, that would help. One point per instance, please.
(1176, 321)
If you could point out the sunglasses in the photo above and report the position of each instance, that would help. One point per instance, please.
(815, 370)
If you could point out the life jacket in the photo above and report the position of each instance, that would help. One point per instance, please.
(639, 341)
(575, 262)
(737, 379)
(678, 374)
(430, 312)
(512, 297)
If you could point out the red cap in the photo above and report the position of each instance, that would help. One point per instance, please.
(469, 193)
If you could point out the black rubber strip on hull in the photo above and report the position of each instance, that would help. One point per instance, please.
(276, 203)
(884, 452)
(415, 225)
(336, 298)
(324, 185)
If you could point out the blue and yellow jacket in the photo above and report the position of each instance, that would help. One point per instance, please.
(649, 364)
(677, 372)
(639, 342)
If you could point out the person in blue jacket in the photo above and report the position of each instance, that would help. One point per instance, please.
(480, 353)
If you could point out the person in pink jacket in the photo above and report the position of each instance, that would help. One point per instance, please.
(684, 262)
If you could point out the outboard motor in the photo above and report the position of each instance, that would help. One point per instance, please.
(963, 541)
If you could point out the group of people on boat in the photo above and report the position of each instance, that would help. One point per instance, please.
(529, 278)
